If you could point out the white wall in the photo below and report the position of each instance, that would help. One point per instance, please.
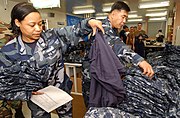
(60, 14)
(5, 14)
(52, 21)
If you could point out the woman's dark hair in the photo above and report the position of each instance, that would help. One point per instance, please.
(119, 5)
(19, 12)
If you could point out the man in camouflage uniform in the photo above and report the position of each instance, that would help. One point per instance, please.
(116, 19)
(5, 106)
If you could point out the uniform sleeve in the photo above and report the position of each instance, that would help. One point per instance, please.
(4, 61)
(125, 53)
(72, 34)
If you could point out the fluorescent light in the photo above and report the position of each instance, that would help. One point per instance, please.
(163, 9)
(145, 0)
(101, 15)
(45, 3)
(132, 15)
(135, 20)
(83, 9)
(157, 14)
(160, 18)
(153, 4)
(107, 6)
(133, 12)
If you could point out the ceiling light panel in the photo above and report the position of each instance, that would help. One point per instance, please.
(159, 18)
(101, 15)
(162, 9)
(84, 9)
(133, 12)
(107, 6)
(45, 3)
(135, 20)
(153, 4)
(157, 14)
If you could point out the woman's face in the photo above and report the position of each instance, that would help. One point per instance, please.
(31, 27)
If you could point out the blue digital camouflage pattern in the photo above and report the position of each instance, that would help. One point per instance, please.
(125, 54)
(158, 97)
(107, 112)
(47, 59)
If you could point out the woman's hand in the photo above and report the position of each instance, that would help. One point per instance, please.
(95, 24)
(37, 93)
(147, 68)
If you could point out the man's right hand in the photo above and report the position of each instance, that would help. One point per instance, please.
(147, 68)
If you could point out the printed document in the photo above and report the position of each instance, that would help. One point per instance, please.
(52, 98)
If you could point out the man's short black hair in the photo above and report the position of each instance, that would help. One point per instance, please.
(125, 26)
(160, 31)
(119, 5)
(139, 23)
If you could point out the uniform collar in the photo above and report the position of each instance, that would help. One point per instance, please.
(21, 46)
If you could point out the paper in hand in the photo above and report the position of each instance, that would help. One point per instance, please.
(52, 98)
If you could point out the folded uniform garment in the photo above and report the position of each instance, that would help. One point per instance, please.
(18, 81)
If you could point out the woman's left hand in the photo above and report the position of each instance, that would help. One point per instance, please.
(37, 93)
(95, 24)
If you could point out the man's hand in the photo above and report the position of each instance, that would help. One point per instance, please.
(95, 24)
(147, 68)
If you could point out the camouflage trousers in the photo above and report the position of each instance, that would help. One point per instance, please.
(64, 111)
(5, 108)
(86, 81)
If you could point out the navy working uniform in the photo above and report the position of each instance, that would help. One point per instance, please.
(46, 57)
(5, 106)
(120, 49)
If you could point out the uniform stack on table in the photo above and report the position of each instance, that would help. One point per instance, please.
(156, 98)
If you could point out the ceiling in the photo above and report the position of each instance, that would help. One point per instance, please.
(133, 4)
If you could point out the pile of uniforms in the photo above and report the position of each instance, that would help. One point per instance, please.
(158, 97)
(18, 81)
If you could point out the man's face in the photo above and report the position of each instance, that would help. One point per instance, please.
(131, 29)
(119, 17)
(139, 26)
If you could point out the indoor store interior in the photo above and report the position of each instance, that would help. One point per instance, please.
(157, 96)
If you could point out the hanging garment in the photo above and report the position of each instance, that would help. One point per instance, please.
(106, 85)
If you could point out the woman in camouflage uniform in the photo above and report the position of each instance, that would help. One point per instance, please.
(43, 51)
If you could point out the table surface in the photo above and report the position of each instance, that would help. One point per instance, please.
(155, 46)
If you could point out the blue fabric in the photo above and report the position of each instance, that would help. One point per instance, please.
(106, 85)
